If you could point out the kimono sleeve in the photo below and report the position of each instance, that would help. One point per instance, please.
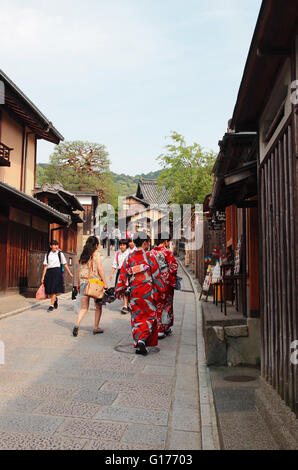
(156, 275)
(172, 263)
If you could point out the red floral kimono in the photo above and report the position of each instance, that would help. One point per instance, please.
(168, 267)
(141, 275)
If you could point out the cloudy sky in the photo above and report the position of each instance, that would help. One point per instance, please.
(126, 73)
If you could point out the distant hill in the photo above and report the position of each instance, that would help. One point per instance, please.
(125, 184)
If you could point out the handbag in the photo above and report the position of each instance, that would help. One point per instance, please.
(94, 287)
(40, 294)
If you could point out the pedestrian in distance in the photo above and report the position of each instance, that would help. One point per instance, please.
(119, 259)
(104, 237)
(117, 237)
(90, 267)
(140, 279)
(52, 276)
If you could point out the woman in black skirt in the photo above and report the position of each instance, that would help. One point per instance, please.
(54, 264)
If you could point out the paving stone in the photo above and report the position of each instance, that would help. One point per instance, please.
(154, 379)
(72, 382)
(106, 445)
(11, 377)
(48, 391)
(94, 396)
(22, 441)
(234, 399)
(186, 420)
(133, 415)
(128, 387)
(150, 401)
(68, 408)
(18, 404)
(93, 429)
(187, 399)
(29, 423)
(152, 435)
(183, 440)
(97, 373)
(159, 370)
(13, 389)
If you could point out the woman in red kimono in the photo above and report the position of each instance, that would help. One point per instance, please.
(168, 268)
(141, 280)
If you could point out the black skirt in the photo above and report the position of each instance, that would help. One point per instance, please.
(53, 281)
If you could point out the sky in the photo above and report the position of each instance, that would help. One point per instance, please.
(126, 73)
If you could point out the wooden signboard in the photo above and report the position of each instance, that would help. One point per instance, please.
(206, 286)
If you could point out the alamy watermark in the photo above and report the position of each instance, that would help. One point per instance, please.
(294, 354)
(2, 353)
(294, 92)
(2, 92)
(184, 223)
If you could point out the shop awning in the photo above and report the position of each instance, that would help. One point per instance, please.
(20, 200)
(234, 187)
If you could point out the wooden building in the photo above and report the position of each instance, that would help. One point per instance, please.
(66, 203)
(146, 209)
(21, 126)
(24, 221)
(267, 104)
(235, 191)
(89, 203)
(24, 230)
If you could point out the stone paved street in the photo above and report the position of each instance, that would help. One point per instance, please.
(93, 392)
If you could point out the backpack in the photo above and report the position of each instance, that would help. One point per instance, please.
(60, 259)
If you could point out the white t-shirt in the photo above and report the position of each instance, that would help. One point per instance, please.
(54, 260)
(119, 259)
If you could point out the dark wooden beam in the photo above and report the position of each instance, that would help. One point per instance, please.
(247, 204)
(266, 51)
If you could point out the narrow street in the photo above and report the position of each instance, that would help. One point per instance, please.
(93, 392)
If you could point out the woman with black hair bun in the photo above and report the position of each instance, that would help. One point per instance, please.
(89, 267)
(140, 280)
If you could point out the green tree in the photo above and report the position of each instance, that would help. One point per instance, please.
(80, 166)
(186, 171)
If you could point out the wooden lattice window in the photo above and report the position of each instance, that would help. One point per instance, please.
(4, 155)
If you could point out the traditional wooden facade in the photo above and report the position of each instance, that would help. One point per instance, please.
(66, 203)
(146, 210)
(267, 104)
(24, 229)
(24, 221)
(21, 126)
(89, 202)
(235, 191)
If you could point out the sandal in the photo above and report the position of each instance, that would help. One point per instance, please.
(98, 331)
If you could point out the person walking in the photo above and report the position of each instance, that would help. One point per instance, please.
(52, 276)
(168, 267)
(140, 279)
(117, 237)
(119, 259)
(90, 267)
(104, 237)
